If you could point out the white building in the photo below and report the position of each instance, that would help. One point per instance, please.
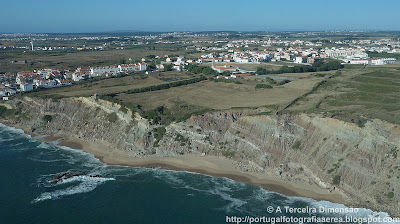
(372, 61)
(43, 73)
(132, 67)
(24, 86)
(77, 76)
(63, 82)
(4, 91)
(345, 53)
(177, 67)
(389, 60)
(360, 61)
(301, 59)
(241, 59)
(45, 83)
(99, 71)
(5, 77)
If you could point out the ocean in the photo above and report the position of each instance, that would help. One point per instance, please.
(118, 194)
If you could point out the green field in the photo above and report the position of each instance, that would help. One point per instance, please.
(357, 94)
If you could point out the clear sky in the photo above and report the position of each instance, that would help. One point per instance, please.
(68, 16)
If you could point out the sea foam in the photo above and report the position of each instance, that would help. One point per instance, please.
(86, 184)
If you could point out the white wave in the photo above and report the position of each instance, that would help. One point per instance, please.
(92, 161)
(20, 143)
(84, 178)
(89, 158)
(261, 194)
(13, 130)
(221, 187)
(48, 160)
(72, 155)
(87, 184)
(39, 137)
(170, 176)
(235, 203)
(362, 212)
(45, 145)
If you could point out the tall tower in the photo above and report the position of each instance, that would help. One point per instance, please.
(32, 45)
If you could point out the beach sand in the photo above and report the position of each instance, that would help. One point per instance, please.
(209, 165)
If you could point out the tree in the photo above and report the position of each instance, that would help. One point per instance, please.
(152, 65)
(261, 71)
(167, 67)
(271, 81)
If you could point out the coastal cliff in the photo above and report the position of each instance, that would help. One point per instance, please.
(360, 161)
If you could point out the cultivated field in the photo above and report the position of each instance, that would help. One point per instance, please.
(114, 85)
(219, 95)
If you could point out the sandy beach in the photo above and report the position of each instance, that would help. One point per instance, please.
(209, 165)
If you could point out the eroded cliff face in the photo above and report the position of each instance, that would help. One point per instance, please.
(363, 159)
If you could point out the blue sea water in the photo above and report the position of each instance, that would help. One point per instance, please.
(127, 194)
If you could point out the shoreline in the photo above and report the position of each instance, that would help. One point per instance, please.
(208, 165)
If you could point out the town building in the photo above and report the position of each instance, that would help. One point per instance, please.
(24, 86)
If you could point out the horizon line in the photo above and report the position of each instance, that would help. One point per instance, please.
(208, 31)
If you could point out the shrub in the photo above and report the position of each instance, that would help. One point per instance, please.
(113, 117)
(283, 82)
(228, 154)
(47, 118)
(390, 195)
(4, 111)
(158, 134)
(270, 81)
(296, 145)
(263, 86)
(336, 180)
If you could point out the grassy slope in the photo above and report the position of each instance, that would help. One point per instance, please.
(370, 93)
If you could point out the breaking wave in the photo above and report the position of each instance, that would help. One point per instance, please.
(86, 184)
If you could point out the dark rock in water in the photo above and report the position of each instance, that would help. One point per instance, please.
(97, 175)
(66, 175)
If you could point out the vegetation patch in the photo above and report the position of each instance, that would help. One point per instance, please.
(112, 117)
(228, 154)
(296, 145)
(270, 81)
(321, 65)
(47, 118)
(14, 113)
(180, 138)
(159, 132)
(336, 179)
(390, 195)
(263, 86)
(227, 81)
(283, 82)
(178, 113)
(199, 69)
(5, 112)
